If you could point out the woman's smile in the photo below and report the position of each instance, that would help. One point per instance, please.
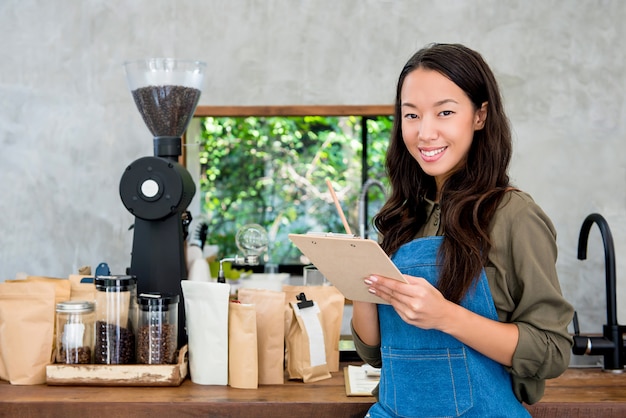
(432, 154)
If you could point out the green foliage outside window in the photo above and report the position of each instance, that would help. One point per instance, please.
(273, 170)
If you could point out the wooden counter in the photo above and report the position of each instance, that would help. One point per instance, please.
(580, 393)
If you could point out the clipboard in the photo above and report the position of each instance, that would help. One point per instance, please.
(346, 260)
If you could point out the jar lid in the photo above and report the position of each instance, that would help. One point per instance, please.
(119, 282)
(155, 300)
(75, 306)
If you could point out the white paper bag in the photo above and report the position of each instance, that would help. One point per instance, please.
(206, 311)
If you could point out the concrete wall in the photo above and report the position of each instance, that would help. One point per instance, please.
(68, 125)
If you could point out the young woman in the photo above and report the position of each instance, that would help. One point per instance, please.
(482, 322)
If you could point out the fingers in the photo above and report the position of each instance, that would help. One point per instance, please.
(385, 284)
(383, 287)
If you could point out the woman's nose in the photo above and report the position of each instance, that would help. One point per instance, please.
(427, 129)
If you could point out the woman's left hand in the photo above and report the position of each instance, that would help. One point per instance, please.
(418, 303)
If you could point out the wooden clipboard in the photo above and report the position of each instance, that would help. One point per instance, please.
(346, 260)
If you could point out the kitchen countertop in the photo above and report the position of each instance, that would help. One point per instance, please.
(581, 393)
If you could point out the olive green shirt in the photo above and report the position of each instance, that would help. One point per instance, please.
(521, 272)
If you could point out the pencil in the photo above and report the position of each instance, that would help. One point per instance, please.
(338, 206)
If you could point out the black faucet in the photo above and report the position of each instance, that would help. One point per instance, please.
(363, 199)
(611, 344)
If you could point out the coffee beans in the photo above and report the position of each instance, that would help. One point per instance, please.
(156, 344)
(114, 345)
(80, 355)
(166, 110)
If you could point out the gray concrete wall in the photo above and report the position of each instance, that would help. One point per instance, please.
(68, 125)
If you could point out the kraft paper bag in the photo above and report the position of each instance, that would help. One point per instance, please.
(331, 303)
(81, 291)
(27, 322)
(63, 287)
(4, 375)
(242, 346)
(62, 291)
(306, 352)
(206, 312)
(269, 306)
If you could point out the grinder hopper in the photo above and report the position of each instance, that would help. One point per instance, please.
(157, 190)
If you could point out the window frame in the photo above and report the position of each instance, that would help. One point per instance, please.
(295, 110)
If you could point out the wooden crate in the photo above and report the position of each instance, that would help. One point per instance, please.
(119, 374)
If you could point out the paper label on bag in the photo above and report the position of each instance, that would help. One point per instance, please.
(310, 318)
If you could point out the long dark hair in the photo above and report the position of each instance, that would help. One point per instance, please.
(470, 196)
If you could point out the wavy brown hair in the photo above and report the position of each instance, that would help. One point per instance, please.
(470, 196)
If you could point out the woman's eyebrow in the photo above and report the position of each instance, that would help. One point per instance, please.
(437, 103)
(445, 101)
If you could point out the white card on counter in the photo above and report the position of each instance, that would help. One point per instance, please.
(347, 261)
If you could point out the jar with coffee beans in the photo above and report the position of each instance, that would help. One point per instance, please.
(116, 319)
(74, 332)
(157, 328)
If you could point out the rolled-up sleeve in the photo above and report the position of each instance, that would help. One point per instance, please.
(368, 353)
(527, 293)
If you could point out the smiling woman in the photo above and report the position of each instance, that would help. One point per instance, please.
(269, 165)
(480, 320)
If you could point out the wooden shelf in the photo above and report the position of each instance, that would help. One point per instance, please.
(588, 393)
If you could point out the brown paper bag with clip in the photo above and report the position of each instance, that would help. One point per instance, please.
(27, 309)
(331, 302)
(306, 353)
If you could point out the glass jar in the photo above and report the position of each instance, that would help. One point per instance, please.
(116, 319)
(74, 332)
(157, 328)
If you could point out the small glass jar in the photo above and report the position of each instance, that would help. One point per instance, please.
(157, 328)
(74, 332)
(116, 319)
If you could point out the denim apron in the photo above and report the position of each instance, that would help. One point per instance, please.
(427, 373)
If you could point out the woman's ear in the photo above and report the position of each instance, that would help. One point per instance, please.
(480, 117)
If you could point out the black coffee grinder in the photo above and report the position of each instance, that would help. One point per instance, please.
(157, 190)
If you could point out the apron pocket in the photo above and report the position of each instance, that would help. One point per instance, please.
(426, 383)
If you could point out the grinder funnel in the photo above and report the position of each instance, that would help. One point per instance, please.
(166, 92)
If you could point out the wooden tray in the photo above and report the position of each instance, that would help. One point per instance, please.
(118, 374)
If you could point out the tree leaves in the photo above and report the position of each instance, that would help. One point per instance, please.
(272, 171)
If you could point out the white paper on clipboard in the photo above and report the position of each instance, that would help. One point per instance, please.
(346, 261)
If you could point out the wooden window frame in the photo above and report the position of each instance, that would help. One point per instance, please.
(299, 110)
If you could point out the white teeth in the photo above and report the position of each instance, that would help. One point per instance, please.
(433, 152)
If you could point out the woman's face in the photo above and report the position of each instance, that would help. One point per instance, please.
(438, 122)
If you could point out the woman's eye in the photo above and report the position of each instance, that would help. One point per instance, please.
(446, 113)
(410, 116)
